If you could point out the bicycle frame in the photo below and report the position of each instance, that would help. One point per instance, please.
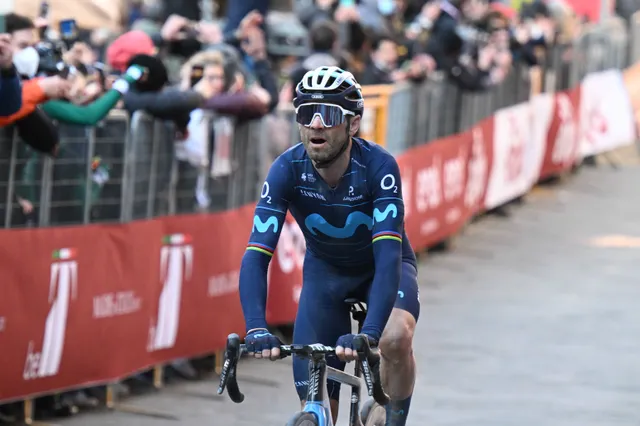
(317, 402)
(317, 398)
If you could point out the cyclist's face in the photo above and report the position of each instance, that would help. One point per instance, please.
(323, 143)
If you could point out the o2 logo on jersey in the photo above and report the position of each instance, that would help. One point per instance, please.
(389, 182)
(265, 192)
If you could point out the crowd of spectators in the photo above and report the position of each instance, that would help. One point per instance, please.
(174, 64)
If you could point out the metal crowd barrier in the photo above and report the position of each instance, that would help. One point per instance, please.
(124, 170)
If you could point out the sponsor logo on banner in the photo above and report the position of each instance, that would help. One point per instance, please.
(606, 114)
(562, 132)
(116, 304)
(429, 194)
(63, 287)
(454, 175)
(176, 265)
(516, 155)
(224, 284)
(514, 160)
(565, 142)
(434, 179)
(477, 170)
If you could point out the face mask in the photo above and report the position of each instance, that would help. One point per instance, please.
(26, 62)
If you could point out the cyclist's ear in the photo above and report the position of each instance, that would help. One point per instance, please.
(354, 125)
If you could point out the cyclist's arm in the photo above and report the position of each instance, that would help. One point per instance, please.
(388, 223)
(269, 217)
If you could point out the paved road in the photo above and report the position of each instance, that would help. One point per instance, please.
(532, 320)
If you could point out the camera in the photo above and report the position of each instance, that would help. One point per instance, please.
(51, 51)
(51, 62)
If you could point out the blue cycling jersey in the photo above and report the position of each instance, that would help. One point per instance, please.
(358, 225)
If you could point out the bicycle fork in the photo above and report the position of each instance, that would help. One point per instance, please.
(354, 413)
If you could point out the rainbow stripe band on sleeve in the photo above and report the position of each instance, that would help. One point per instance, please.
(261, 248)
(387, 235)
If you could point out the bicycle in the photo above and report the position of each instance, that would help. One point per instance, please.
(317, 411)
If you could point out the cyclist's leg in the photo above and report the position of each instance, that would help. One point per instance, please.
(322, 318)
(398, 368)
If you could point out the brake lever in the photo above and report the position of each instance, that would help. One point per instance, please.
(228, 373)
(371, 373)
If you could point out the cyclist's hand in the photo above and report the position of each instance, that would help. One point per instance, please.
(344, 347)
(262, 344)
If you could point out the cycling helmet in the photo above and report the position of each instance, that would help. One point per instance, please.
(330, 85)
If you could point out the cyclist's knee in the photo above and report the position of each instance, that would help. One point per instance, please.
(397, 338)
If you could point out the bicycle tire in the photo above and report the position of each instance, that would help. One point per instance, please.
(373, 414)
(303, 419)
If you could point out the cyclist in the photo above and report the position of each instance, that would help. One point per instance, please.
(346, 195)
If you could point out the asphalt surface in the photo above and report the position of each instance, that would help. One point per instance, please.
(531, 320)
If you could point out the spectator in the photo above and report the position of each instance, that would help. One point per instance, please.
(238, 10)
(75, 107)
(323, 37)
(383, 65)
(311, 11)
(150, 19)
(22, 30)
(223, 89)
(181, 38)
(158, 98)
(128, 45)
(444, 44)
(10, 91)
(369, 14)
(36, 92)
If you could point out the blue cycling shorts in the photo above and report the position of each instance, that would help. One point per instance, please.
(323, 316)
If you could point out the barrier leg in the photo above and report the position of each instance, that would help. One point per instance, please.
(110, 397)
(219, 360)
(28, 411)
(158, 371)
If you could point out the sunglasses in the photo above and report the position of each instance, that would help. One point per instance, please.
(330, 115)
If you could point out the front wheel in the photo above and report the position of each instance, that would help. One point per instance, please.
(304, 419)
(373, 414)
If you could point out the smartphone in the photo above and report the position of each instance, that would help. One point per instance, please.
(3, 26)
(44, 10)
(44, 14)
(196, 74)
(68, 28)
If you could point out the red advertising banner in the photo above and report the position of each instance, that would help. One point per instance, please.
(92, 304)
(562, 133)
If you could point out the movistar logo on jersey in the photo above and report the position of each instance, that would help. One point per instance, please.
(315, 222)
(379, 216)
(263, 227)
